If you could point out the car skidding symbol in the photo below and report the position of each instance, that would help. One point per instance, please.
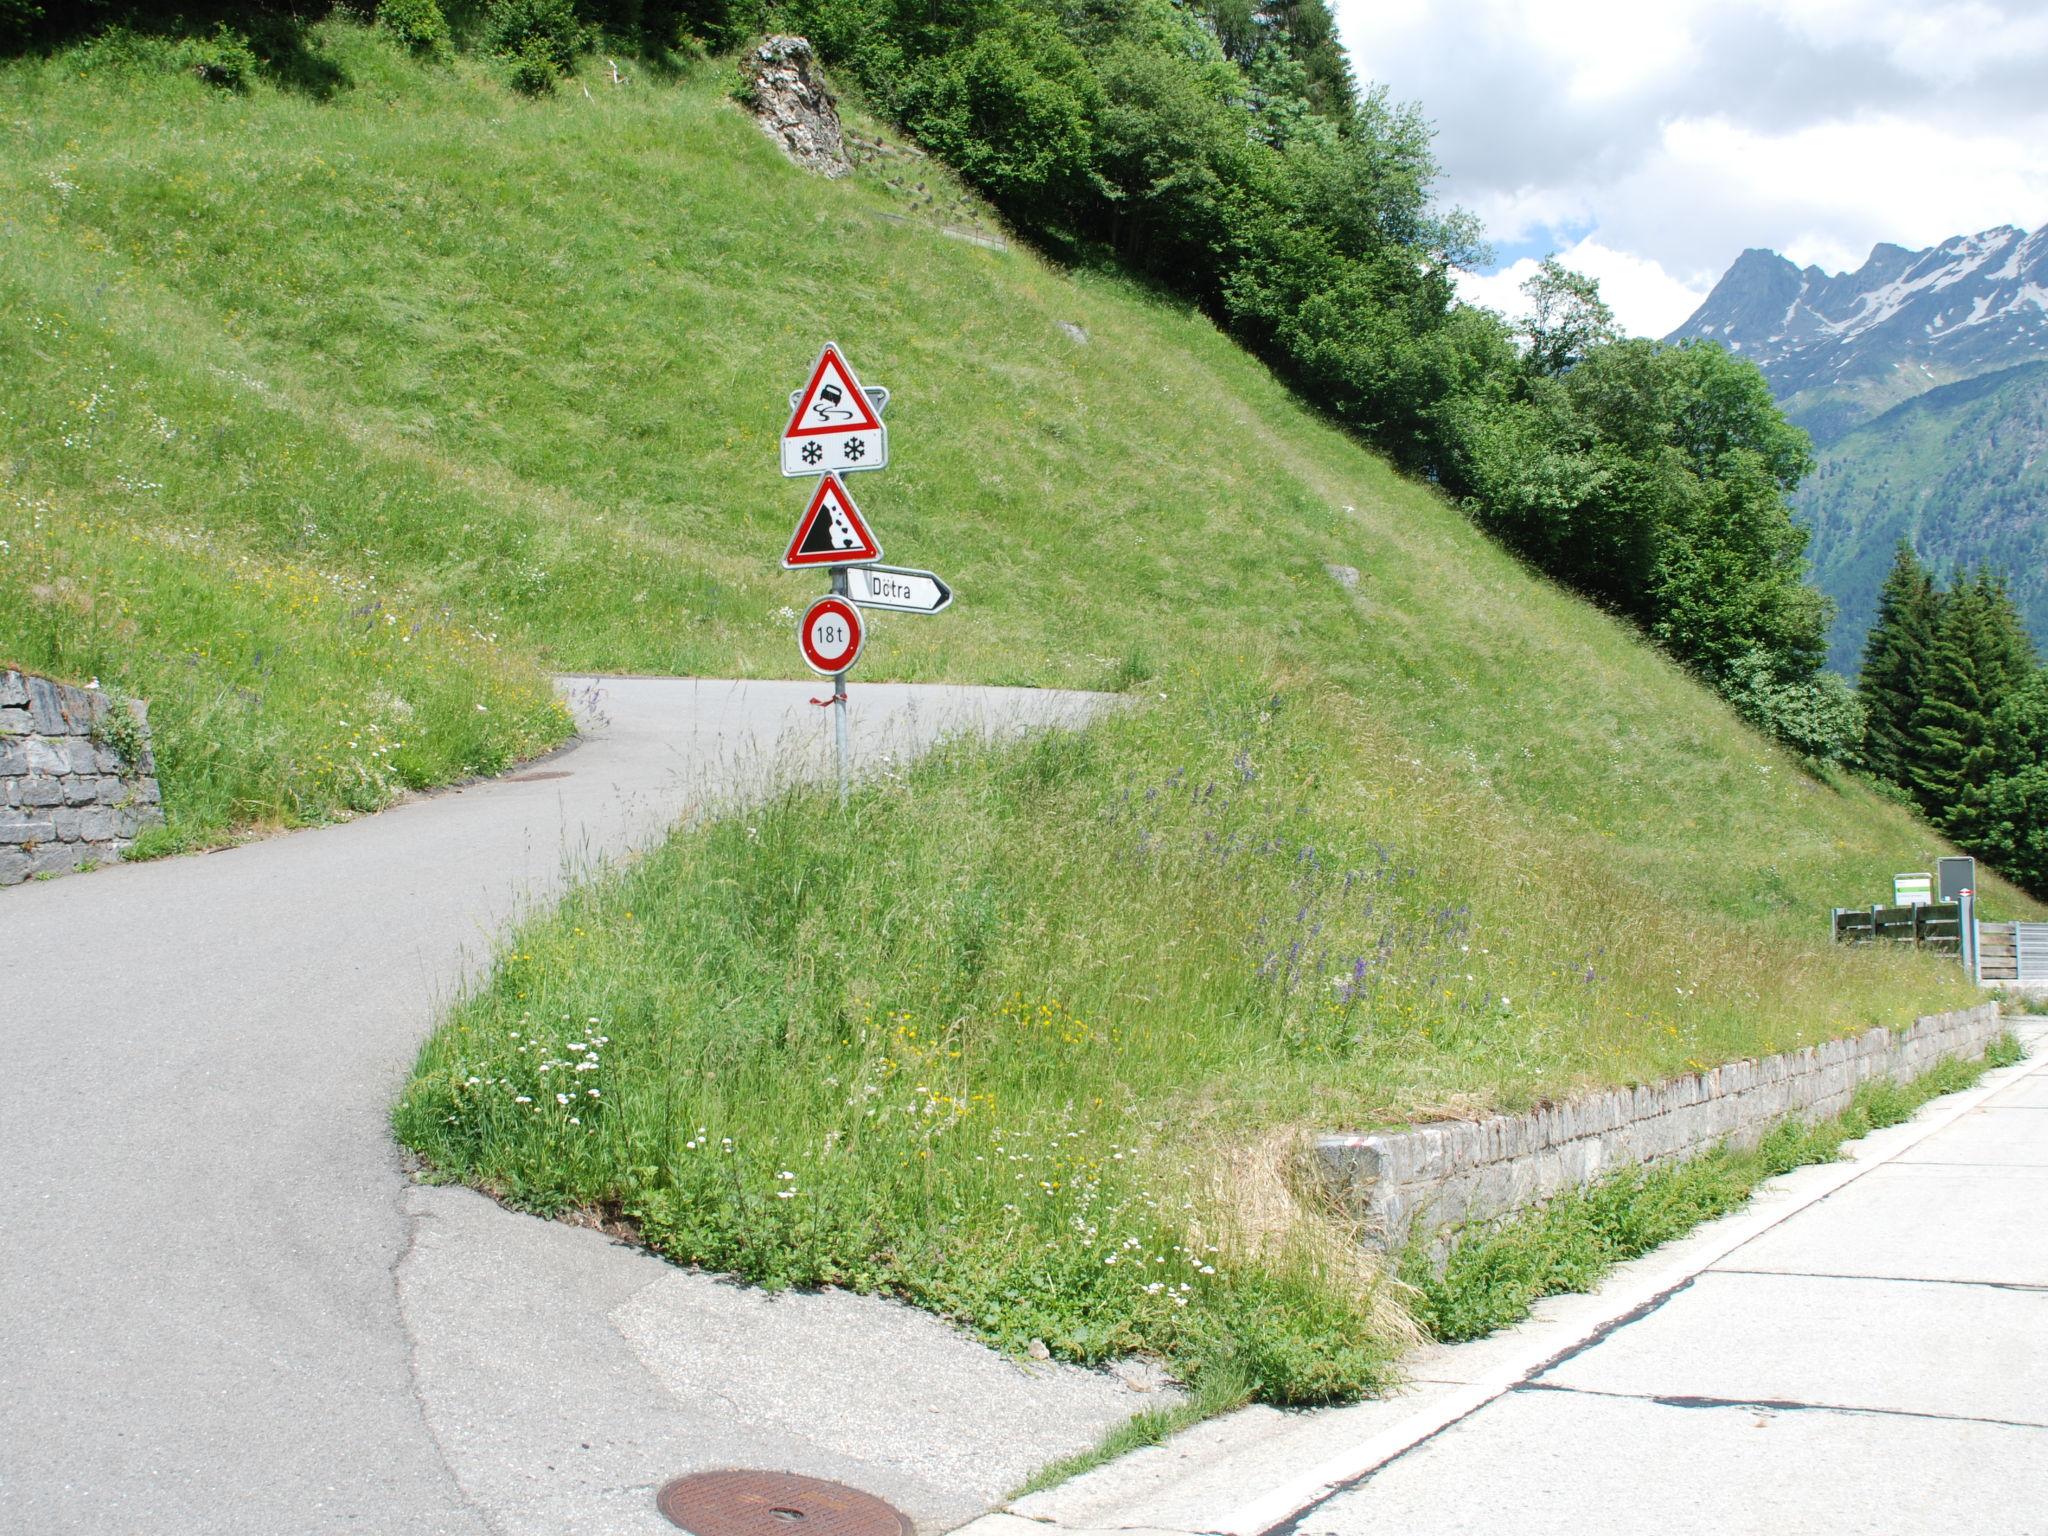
(830, 404)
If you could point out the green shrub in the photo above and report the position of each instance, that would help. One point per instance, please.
(1819, 717)
(225, 59)
(533, 71)
(418, 24)
(537, 34)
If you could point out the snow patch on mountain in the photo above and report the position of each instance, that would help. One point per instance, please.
(1944, 313)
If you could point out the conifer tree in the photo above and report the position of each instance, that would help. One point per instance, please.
(1896, 654)
(2010, 818)
(1981, 655)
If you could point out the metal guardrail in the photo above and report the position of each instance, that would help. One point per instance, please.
(2030, 951)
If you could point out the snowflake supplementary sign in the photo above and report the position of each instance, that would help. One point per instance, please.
(834, 426)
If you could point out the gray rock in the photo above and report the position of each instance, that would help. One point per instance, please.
(96, 824)
(46, 706)
(793, 107)
(57, 858)
(41, 789)
(14, 866)
(16, 722)
(13, 689)
(79, 791)
(24, 830)
(64, 825)
(13, 757)
(112, 789)
(1074, 333)
(1346, 576)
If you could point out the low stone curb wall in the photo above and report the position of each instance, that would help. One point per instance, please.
(68, 798)
(1436, 1176)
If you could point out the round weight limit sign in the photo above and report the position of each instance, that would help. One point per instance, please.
(830, 635)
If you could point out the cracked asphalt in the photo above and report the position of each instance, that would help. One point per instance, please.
(224, 1307)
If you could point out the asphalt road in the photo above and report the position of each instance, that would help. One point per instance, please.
(224, 1308)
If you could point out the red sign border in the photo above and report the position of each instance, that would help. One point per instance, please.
(831, 602)
(832, 355)
(794, 560)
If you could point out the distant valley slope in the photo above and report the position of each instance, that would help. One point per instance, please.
(1923, 377)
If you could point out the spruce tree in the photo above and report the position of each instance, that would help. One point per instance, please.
(2010, 818)
(2013, 646)
(1981, 656)
(1896, 654)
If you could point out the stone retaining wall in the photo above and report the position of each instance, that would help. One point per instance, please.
(68, 798)
(1440, 1175)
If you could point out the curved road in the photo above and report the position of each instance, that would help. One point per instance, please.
(223, 1307)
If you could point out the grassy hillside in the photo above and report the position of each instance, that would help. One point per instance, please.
(412, 392)
(1962, 471)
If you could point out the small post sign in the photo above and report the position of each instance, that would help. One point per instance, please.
(1912, 890)
(835, 428)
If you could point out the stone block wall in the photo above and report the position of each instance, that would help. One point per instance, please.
(68, 797)
(1434, 1177)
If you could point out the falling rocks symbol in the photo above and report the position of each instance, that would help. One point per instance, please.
(831, 531)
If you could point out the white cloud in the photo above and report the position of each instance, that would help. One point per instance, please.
(1660, 140)
(1647, 300)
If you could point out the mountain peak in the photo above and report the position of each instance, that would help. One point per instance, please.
(1841, 348)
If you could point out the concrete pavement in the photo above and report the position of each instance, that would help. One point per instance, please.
(223, 1307)
(1864, 1348)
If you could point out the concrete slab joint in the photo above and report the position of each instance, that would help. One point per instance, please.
(1432, 1177)
(76, 782)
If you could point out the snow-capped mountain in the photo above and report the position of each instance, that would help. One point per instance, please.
(1923, 377)
(1842, 349)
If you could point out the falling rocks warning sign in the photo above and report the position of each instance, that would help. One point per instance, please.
(831, 531)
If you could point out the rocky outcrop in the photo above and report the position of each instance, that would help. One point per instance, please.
(794, 108)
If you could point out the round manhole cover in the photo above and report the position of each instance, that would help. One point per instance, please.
(740, 1503)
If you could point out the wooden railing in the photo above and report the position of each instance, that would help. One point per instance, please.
(1931, 925)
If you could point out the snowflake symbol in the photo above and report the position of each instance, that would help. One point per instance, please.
(812, 453)
(855, 448)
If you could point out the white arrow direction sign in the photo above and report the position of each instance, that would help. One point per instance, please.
(889, 586)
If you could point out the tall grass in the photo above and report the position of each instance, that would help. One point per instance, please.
(1028, 1036)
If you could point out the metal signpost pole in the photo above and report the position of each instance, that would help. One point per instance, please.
(839, 697)
(835, 429)
(1966, 926)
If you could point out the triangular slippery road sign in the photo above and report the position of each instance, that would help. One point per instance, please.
(833, 424)
(831, 531)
